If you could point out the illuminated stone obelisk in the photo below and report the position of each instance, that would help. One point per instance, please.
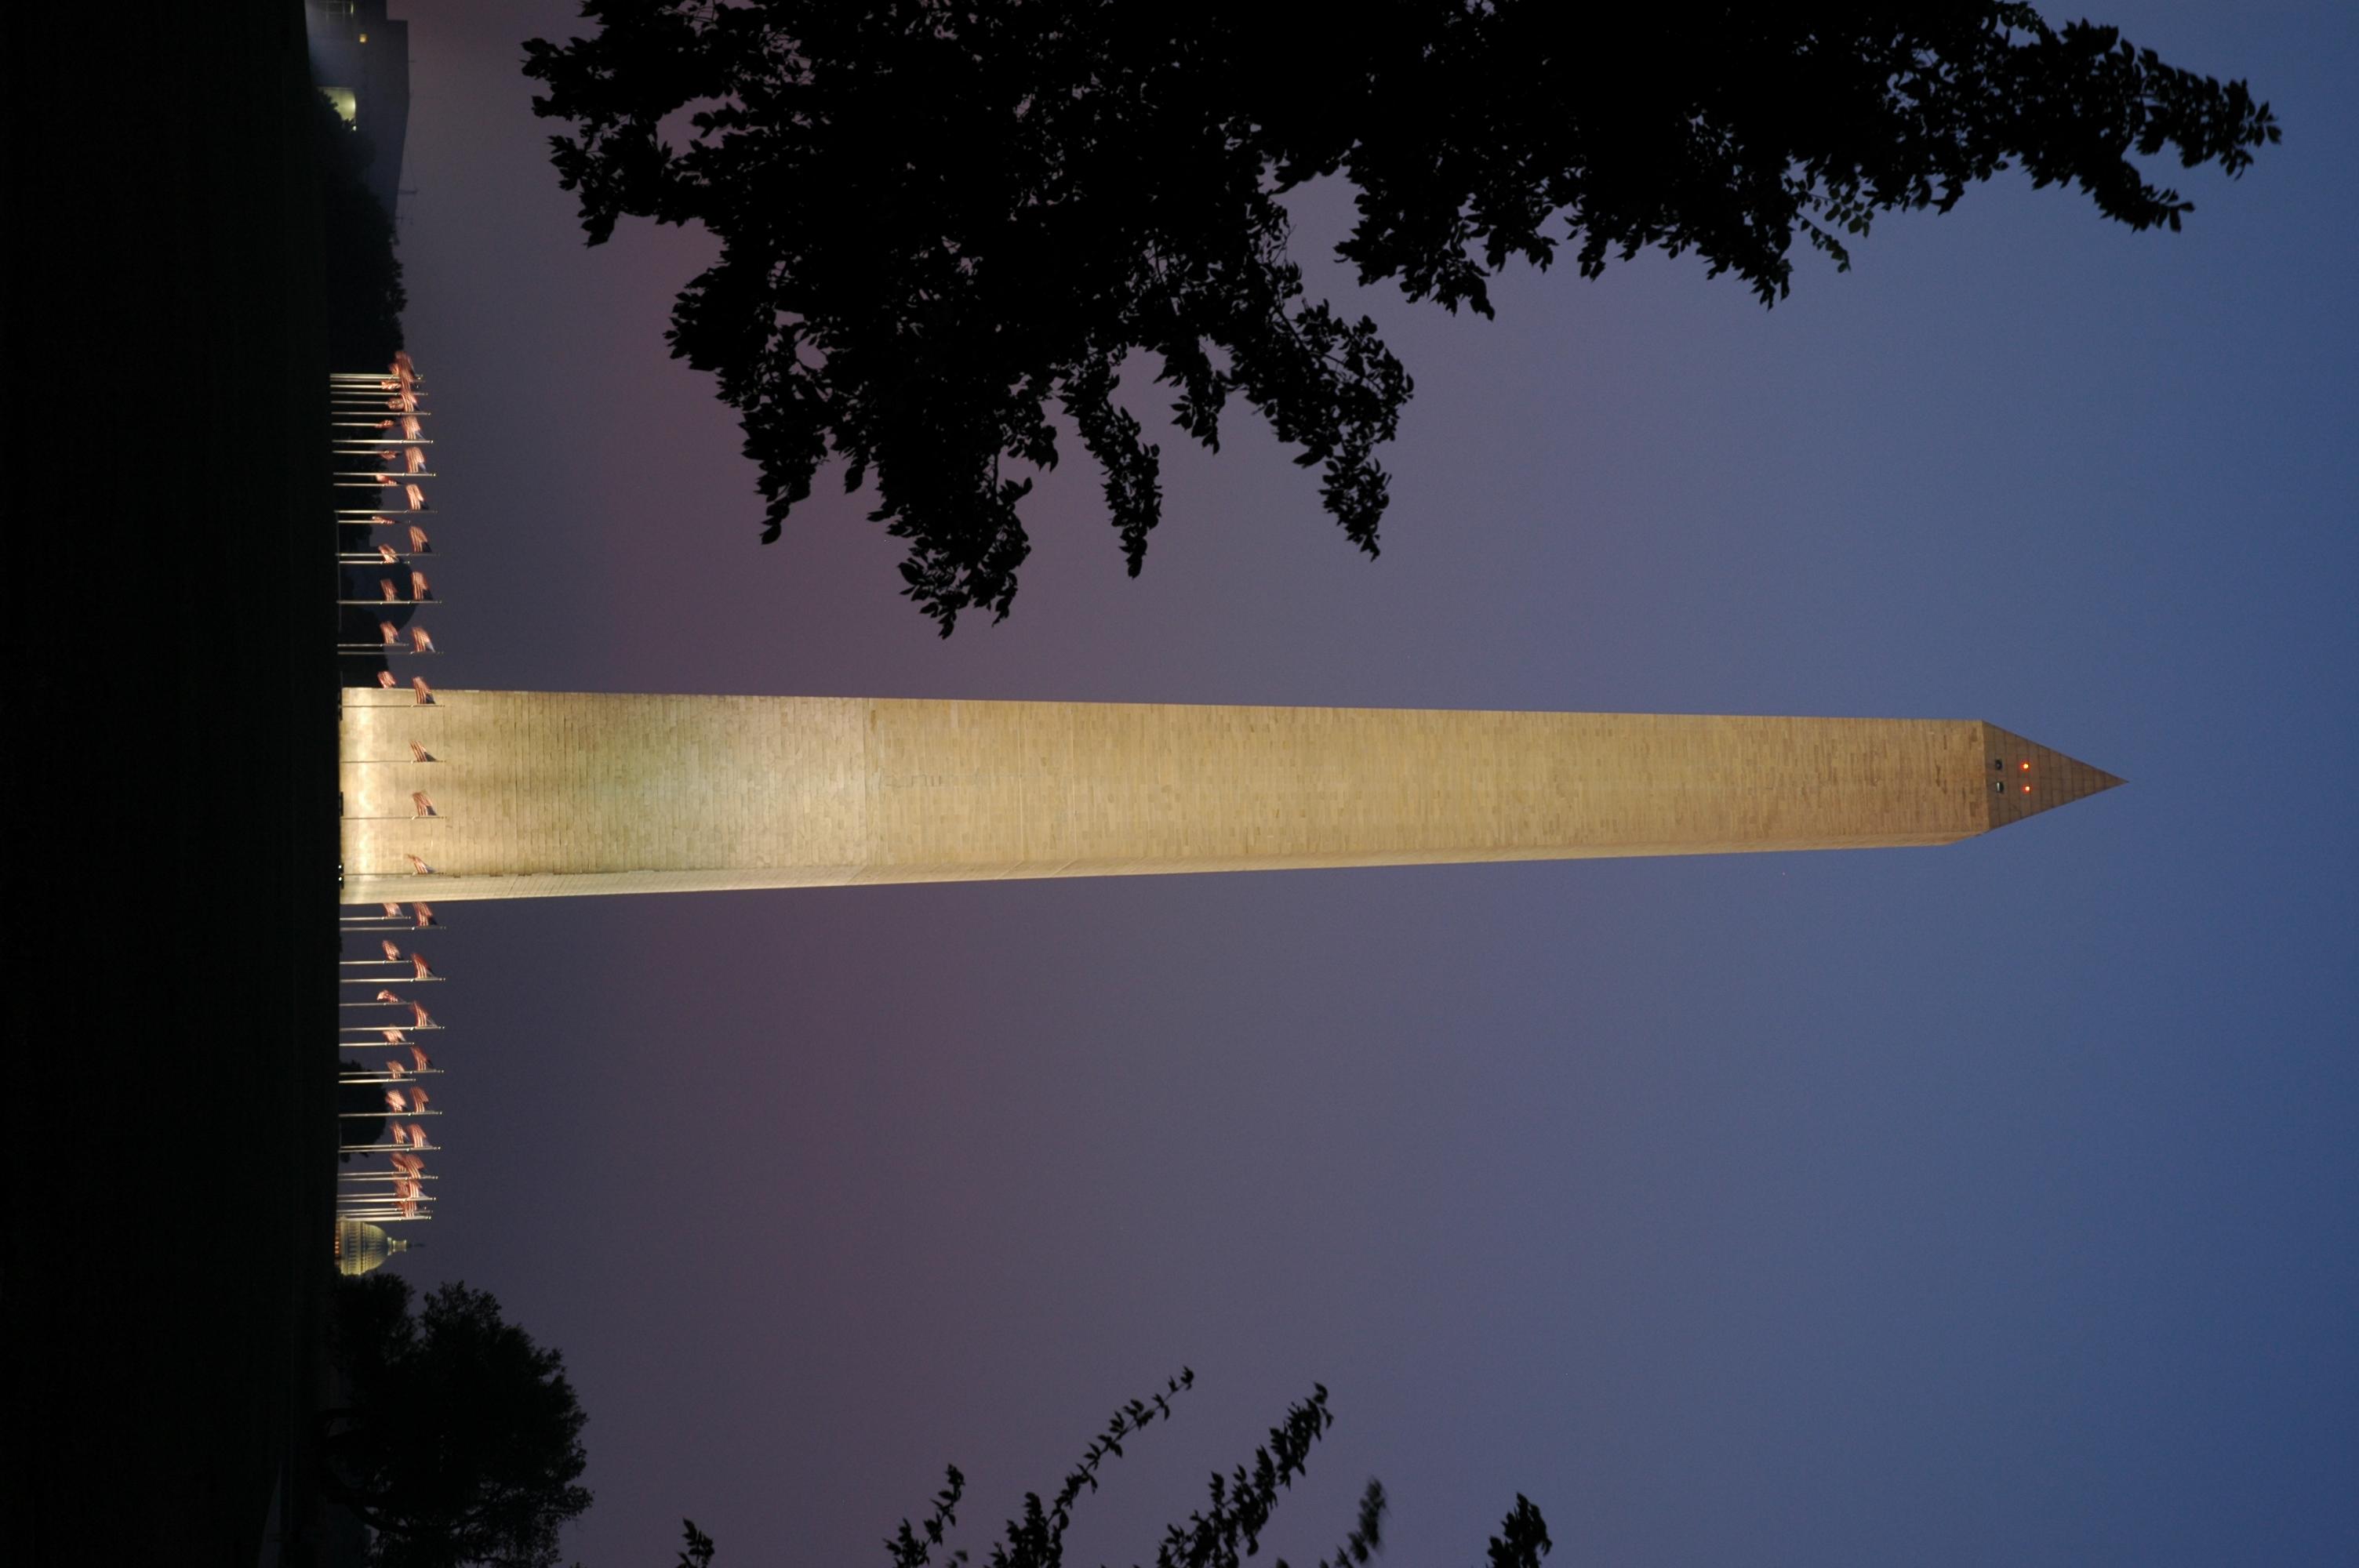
(542, 793)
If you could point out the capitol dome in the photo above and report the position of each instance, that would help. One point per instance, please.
(361, 1246)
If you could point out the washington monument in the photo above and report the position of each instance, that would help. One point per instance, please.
(526, 794)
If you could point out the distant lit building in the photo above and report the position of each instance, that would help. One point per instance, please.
(360, 60)
(361, 1246)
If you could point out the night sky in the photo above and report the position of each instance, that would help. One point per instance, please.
(1994, 1203)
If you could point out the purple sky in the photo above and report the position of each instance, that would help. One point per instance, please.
(1987, 1204)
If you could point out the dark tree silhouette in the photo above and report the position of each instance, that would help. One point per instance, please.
(463, 1441)
(943, 224)
(1220, 1535)
(365, 297)
(359, 1100)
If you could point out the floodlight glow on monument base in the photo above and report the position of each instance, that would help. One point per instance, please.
(555, 793)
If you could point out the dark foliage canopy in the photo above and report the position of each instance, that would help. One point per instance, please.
(360, 1108)
(463, 1443)
(1222, 1534)
(945, 225)
(365, 295)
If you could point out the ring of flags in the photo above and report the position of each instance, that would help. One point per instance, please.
(378, 444)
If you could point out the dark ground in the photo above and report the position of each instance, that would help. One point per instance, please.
(171, 712)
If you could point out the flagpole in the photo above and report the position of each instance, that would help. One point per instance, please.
(375, 1217)
(381, 1215)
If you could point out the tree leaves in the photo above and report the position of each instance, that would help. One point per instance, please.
(463, 1442)
(1523, 1538)
(1220, 1535)
(940, 221)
